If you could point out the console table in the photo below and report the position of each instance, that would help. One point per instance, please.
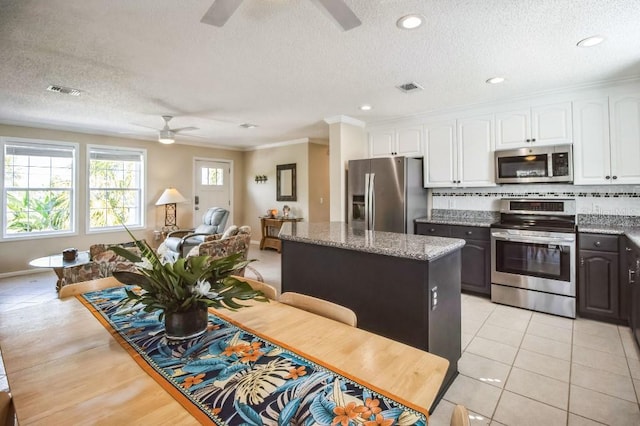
(270, 230)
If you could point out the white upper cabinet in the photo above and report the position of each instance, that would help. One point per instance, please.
(591, 148)
(475, 156)
(440, 159)
(607, 141)
(409, 141)
(405, 141)
(541, 125)
(625, 138)
(381, 143)
(459, 153)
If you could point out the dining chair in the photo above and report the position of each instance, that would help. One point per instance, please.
(7, 412)
(320, 307)
(268, 290)
(460, 416)
(85, 286)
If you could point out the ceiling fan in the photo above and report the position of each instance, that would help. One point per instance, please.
(166, 135)
(221, 10)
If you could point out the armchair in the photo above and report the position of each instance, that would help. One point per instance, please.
(179, 243)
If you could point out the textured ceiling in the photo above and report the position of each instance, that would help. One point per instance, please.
(285, 66)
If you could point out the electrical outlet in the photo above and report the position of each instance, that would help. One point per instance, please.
(434, 298)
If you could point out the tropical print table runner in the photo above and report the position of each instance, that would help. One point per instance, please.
(233, 376)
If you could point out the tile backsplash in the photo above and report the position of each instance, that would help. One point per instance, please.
(617, 200)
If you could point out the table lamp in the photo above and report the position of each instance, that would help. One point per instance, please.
(169, 198)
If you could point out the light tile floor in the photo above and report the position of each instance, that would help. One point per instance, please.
(517, 367)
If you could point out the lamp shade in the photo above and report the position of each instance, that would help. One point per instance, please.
(170, 196)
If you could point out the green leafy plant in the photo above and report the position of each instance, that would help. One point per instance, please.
(186, 283)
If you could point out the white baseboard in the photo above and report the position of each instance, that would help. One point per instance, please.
(25, 272)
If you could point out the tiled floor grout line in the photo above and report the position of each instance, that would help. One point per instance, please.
(573, 328)
(624, 349)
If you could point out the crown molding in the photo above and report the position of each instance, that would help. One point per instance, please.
(345, 119)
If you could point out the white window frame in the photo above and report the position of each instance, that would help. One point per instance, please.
(6, 140)
(143, 189)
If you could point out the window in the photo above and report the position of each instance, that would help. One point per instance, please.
(212, 177)
(116, 187)
(39, 187)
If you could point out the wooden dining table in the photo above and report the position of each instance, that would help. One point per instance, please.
(64, 366)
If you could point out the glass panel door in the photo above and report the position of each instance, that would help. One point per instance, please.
(550, 261)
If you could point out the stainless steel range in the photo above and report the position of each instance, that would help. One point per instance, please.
(533, 255)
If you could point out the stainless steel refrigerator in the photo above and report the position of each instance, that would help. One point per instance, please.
(386, 194)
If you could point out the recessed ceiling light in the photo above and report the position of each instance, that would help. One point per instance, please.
(590, 41)
(495, 80)
(366, 107)
(248, 125)
(410, 22)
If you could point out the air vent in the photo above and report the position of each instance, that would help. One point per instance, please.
(64, 90)
(248, 125)
(410, 87)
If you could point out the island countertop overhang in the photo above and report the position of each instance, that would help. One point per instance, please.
(341, 235)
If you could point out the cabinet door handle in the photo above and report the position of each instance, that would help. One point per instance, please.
(581, 260)
(607, 177)
(533, 140)
(632, 275)
(527, 140)
(597, 244)
(615, 177)
(628, 249)
(432, 230)
(469, 232)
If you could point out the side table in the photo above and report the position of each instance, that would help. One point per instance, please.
(56, 262)
(270, 230)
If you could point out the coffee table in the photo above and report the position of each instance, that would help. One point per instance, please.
(56, 262)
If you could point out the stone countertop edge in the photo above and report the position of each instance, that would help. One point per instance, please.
(633, 233)
(468, 222)
(341, 235)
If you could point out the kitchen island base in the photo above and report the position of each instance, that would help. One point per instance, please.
(416, 302)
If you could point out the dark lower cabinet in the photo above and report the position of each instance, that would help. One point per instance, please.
(476, 267)
(476, 254)
(633, 280)
(598, 285)
(603, 289)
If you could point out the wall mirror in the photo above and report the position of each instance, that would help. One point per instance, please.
(286, 182)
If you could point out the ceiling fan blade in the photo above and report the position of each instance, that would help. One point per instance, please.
(146, 127)
(340, 12)
(184, 129)
(220, 12)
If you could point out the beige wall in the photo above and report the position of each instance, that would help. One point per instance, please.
(319, 203)
(167, 165)
(312, 171)
(347, 142)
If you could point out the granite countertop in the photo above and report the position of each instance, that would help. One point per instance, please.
(633, 232)
(478, 218)
(341, 235)
(483, 223)
(609, 224)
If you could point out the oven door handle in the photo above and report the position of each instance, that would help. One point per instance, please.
(531, 239)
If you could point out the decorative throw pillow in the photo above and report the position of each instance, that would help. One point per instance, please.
(230, 232)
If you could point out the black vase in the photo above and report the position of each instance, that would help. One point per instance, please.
(187, 324)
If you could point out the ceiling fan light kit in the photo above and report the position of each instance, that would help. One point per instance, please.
(221, 10)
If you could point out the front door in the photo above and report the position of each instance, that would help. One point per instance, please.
(212, 188)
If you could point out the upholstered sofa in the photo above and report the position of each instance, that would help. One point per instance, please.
(103, 263)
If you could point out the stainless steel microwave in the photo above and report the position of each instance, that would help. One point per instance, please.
(553, 164)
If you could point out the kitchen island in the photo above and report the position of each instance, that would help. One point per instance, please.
(404, 287)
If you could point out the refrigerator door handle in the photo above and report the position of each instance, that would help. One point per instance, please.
(366, 201)
(372, 201)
